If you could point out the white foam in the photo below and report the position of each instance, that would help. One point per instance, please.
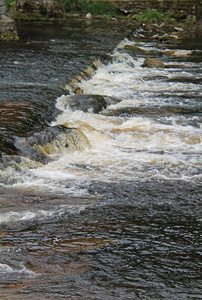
(125, 148)
(7, 270)
(14, 216)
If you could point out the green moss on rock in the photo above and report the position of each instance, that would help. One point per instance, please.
(9, 36)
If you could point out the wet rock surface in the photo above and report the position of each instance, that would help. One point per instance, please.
(153, 63)
(40, 145)
(90, 103)
(18, 119)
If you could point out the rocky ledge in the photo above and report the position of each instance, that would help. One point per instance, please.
(8, 30)
(32, 9)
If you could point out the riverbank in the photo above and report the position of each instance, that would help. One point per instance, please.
(131, 13)
(9, 33)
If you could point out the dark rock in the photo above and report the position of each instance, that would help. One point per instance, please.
(7, 145)
(90, 103)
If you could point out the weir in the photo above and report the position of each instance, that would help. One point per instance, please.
(132, 197)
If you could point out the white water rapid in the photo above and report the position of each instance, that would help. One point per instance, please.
(126, 145)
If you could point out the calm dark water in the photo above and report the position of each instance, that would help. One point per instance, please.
(123, 219)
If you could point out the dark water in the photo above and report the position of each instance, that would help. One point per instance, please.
(149, 248)
(129, 227)
(48, 56)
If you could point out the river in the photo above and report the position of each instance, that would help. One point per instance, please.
(121, 217)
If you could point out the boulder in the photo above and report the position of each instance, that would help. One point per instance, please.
(78, 91)
(153, 63)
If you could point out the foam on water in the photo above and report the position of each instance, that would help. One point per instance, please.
(15, 216)
(129, 146)
(7, 271)
(136, 147)
(126, 79)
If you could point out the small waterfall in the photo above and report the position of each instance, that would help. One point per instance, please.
(130, 121)
(102, 201)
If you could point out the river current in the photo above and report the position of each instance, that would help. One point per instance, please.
(121, 217)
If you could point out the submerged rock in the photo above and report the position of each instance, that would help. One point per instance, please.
(153, 63)
(19, 162)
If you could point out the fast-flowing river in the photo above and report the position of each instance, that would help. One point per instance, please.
(119, 217)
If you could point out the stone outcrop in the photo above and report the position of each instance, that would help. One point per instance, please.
(49, 8)
(8, 30)
(53, 8)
